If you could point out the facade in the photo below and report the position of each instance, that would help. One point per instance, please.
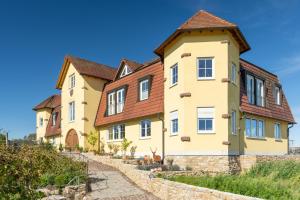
(199, 100)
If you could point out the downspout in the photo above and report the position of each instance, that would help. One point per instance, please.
(288, 136)
(163, 138)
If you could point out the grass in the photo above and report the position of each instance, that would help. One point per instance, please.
(268, 180)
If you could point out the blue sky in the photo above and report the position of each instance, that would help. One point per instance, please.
(36, 35)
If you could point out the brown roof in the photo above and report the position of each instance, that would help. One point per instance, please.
(54, 130)
(85, 67)
(131, 64)
(134, 108)
(204, 20)
(51, 102)
(280, 112)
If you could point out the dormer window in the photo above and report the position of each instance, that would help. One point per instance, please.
(126, 71)
(277, 95)
(111, 103)
(116, 101)
(255, 90)
(144, 89)
(120, 100)
(71, 81)
(260, 96)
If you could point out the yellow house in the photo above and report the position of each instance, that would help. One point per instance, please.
(198, 103)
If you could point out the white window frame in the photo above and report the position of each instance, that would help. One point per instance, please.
(212, 66)
(233, 122)
(256, 128)
(277, 96)
(277, 135)
(41, 122)
(72, 81)
(72, 111)
(233, 73)
(120, 100)
(173, 118)
(260, 92)
(126, 70)
(147, 124)
(54, 117)
(207, 113)
(144, 94)
(116, 130)
(174, 75)
(111, 103)
(263, 128)
(250, 91)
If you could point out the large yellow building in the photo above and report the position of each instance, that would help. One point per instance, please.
(198, 103)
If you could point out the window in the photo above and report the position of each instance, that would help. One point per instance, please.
(250, 89)
(205, 68)
(145, 129)
(117, 132)
(174, 74)
(41, 121)
(174, 122)
(233, 73)
(144, 89)
(126, 71)
(277, 131)
(72, 111)
(111, 103)
(260, 92)
(255, 128)
(54, 117)
(206, 120)
(120, 100)
(277, 95)
(233, 122)
(72, 81)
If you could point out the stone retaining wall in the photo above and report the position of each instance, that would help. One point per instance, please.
(165, 189)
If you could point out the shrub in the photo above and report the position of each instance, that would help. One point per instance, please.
(132, 151)
(110, 147)
(116, 148)
(124, 145)
(93, 138)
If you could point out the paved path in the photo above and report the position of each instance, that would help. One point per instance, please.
(110, 184)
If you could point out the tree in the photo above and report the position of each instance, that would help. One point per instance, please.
(124, 145)
(93, 138)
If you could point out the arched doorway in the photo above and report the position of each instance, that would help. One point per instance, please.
(72, 139)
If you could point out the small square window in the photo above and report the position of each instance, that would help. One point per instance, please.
(206, 120)
(205, 68)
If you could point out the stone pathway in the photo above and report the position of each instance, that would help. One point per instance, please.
(110, 184)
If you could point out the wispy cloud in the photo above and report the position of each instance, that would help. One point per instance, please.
(288, 66)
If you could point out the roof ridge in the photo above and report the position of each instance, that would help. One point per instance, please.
(219, 18)
(261, 68)
(83, 59)
(126, 59)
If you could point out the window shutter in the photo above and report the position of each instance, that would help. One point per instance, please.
(206, 112)
(174, 115)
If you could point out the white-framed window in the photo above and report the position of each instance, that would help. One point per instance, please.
(255, 128)
(120, 100)
(205, 68)
(260, 93)
(54, 117)
(174, 122)
(145, 129)
(144, 89)
(233, 122)
(206, 119)
(174, 74)
(111, 103)
(277, 131)
(117, 132)
(277, 96)
(72, 81)
(41, 122)
(126, 70)
(72, 111)
(233, 73)
(250, 89)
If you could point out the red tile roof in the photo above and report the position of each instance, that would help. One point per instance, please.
(134, 108)
(131, 64)
(280, 112)
(204, 20)
(85, 67)
(51, 102)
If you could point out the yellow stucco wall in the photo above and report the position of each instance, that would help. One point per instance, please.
(41, 130)
(268, 145)
(132, 133)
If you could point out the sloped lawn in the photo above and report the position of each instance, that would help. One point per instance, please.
(269, 180)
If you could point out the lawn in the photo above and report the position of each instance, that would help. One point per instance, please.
(27, 168)
(268, 180)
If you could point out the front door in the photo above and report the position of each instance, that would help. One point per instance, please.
(72, 139)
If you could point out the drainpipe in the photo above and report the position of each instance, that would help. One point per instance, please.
(288, 136)
(163, 138)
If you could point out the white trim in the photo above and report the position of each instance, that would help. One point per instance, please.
(233, 123)
(173, 116)
(233, 66)
(277, 96)
(209, 113)
(212, 71)
(143, 96)
(72, 81)
(72, 111)
(120, 105)
(171, 75)
(277, 138)
(126, 70)
(146, 128)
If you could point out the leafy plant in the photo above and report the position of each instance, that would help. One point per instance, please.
(124, 145)
(132, 151)
(116, 148)
(93, 138)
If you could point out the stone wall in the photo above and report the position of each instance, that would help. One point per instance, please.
(165, 189)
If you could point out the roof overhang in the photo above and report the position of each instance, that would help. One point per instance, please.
(63, 73)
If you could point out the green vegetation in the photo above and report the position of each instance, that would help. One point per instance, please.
(26, 168)
(268, 180)
(93, 138)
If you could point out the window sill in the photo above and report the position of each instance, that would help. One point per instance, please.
(171, 86)
(174, 134)
(145, 138)
(119, 140)
(234, 134)
(234, 83)
(70, 122)
(256, 138)
(278, 140)
(206, 133)
(206, 79)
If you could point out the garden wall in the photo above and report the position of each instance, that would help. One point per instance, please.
(165, 189)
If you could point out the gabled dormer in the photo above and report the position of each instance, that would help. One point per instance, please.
(126, 67)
